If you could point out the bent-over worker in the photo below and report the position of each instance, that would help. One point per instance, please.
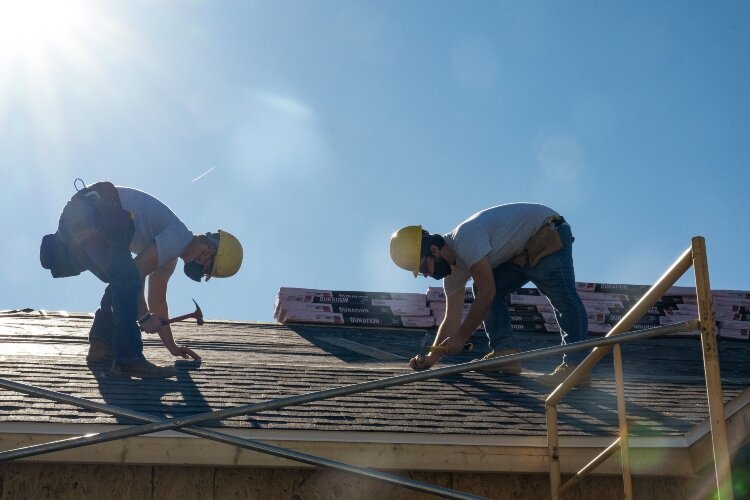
(501, 248)
(97, 231)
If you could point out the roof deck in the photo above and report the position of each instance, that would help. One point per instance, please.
(475, 421)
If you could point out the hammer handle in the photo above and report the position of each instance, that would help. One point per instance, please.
(178, 318)
(441, 348)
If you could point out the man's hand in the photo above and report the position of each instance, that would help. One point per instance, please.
(453, 345)
(152, 324)
(421, 362)
(184, 352)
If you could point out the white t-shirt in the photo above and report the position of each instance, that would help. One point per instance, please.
(155, 222)
(498, 233)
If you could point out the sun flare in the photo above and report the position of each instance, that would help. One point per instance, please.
(33, 31)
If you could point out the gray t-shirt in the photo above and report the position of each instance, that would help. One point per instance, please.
(155, 222)
(498, 233)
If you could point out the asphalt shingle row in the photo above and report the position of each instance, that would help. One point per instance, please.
(246, 363)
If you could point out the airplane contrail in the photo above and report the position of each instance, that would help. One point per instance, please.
(204, 173)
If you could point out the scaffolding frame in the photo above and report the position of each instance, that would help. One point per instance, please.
(600, 347)
(694, 256)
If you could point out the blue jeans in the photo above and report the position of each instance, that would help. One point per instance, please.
(554, 277)
(115, 324)
(110, 260)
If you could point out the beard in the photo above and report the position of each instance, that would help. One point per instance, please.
(441, 270)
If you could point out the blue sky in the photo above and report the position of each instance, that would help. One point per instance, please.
(328, 125)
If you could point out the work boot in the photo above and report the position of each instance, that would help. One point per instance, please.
(99, 352)
(560, 373)
(512, 368)
(141, 368)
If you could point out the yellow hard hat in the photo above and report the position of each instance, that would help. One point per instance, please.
(228, 257)
(406, 246)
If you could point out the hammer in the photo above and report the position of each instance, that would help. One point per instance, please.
(441, 348)
(423, 351)
(197, 314)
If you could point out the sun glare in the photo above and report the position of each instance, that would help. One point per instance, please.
(31, 31)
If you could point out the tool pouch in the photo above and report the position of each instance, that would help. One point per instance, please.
(104, 215)
(545, 242)
(93, 217)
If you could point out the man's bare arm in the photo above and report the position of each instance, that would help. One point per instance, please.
(146, 262)
(484, 280)
(157, 302)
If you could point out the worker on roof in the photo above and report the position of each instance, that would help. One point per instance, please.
(97, 231)
(501, 248)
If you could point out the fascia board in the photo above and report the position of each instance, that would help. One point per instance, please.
(737, 417)
(394, 451)
(740, 402)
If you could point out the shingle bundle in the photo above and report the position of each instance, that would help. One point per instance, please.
(732, 310)
(607, 303)
(436, 303)
(381, 309)
(530, 311)
(678, 304)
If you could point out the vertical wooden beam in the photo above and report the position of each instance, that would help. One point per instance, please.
(553, 445)
(627, 480)
(722, 462)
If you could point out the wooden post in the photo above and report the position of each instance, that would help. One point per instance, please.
(553, 450)
(627, 480)
(722, 462)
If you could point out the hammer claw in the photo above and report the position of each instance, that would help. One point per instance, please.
(197, 314)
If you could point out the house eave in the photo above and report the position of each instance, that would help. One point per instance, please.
(668, 456)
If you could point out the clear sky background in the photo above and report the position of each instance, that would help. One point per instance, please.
(327, 125)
